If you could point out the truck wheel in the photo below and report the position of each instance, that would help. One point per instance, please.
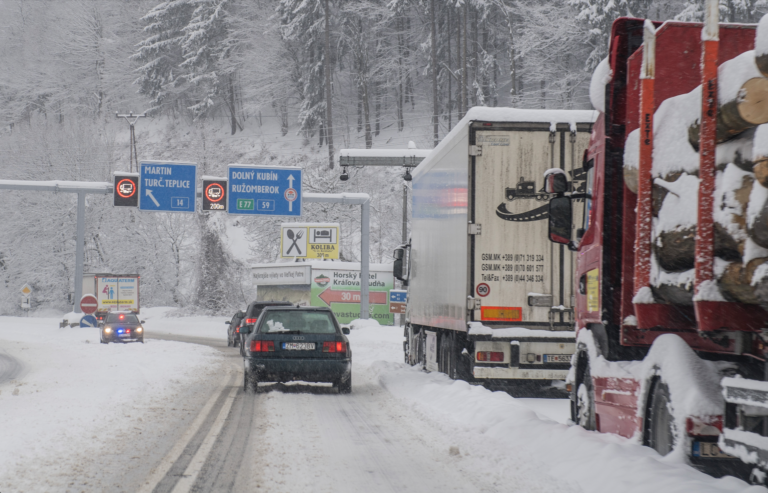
(585, 401)
(407, 346)
(659, 421)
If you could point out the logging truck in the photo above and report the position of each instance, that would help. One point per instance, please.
(671, 271)
(489, 299)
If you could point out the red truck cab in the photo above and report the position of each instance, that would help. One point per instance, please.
(614, 386)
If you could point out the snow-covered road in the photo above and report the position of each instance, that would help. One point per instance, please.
(170, 416)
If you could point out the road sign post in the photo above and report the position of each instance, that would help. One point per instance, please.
(264, 191)
(167, 186)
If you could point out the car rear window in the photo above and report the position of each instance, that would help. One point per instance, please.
(303, 322)
(126, 318)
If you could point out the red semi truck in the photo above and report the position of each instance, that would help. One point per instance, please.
(670, 286)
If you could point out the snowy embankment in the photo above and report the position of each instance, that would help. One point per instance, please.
(510, 438)
(75, 401)
(166, 320)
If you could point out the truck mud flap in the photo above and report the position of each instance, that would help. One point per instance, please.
(749, 446)
(533, 215)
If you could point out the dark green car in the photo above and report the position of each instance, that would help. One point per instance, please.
(298, 343)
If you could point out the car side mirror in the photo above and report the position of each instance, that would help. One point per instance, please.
(142, 321)
(345, 331)
(228, 322)
(245, 329)
(560, 218)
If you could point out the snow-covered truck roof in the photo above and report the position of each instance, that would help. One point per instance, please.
(504, 115)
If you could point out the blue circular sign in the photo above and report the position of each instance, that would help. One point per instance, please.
(88, 321)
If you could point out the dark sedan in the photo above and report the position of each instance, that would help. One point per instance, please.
(298, 343)
(122, 327)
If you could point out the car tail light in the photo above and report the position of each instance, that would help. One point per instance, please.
(704, 427)
(334, 347)
(250, 321)
(262, 346)
(237, 330)
(493, 356)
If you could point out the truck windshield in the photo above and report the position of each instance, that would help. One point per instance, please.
(303, 322)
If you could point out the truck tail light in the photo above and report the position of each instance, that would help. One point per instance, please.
(711, 426)
(250, 321)
(262, 346)
(492, 356)
(334, 347)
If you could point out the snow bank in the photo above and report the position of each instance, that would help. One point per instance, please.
(360, 323)
(600, 77)
(506, 438)
(671, 150)
(75, 395)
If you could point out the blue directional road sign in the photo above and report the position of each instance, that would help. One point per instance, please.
(265, 191)
(167, 186)
(88, 321)
(398, 296)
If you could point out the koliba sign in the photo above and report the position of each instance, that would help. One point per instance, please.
(310, 241)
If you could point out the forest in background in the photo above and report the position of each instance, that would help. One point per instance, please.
(276, 82)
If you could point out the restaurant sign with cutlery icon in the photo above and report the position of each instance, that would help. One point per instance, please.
(310, 240)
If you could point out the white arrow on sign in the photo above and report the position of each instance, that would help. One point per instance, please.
(149, 194)
(290, 186)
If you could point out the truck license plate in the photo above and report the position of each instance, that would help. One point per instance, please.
(557, 358)
(299, 346)
(709, 450)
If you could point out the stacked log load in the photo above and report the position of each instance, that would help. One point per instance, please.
(741, 192)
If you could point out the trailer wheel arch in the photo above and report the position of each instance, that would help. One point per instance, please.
(657, 413)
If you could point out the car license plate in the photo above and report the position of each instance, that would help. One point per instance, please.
(299, 346)
(709, 450)
(557, 358)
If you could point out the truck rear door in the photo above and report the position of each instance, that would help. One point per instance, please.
(513, 259)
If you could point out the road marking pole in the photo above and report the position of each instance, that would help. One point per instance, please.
(193, 470)
(173, 455)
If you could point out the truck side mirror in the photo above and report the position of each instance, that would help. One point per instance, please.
(555, 181)
(560, 214)
(397, 268)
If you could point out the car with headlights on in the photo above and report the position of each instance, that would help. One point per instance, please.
(298, 344)
(121, 327)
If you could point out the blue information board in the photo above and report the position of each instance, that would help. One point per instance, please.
(267, 191)
(398, 296)
(88, 321)
(167, 186)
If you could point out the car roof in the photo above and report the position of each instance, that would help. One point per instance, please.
(298, 308)
(271, 303)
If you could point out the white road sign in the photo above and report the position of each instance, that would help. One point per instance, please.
(294, 241)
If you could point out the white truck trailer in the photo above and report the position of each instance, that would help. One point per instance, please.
(489, 299)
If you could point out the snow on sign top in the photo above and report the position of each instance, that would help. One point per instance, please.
(26, 290)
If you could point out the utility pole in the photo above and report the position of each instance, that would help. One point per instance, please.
(328, 93)
(433, 16)
(132, 119)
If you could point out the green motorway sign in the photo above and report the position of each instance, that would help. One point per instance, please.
(245, 204)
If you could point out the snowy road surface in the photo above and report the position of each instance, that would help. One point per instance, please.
(170, 416)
